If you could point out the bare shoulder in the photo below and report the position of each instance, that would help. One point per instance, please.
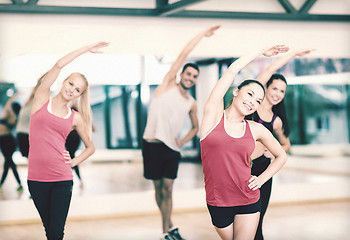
(39, 101)
(253, 124)
(277, 123)
(209, 121)
(168, 82)
(163, 88)
(258, 129)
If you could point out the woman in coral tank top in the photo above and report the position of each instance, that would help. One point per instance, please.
(227, 142)
(50, 178)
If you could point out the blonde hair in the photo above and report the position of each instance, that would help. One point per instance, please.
(84, 107)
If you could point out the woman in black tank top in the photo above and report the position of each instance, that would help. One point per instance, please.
(272, 115)
(7, 141)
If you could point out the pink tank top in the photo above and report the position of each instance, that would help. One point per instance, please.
(47, 138)
(226, 167)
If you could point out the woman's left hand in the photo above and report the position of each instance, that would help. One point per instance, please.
(94, 48)
(274, 50)
(254, 183)
(210, 31)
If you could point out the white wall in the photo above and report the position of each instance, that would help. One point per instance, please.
(51, 36)
(55, 34)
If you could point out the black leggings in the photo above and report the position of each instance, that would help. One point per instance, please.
(8, 147)
(52, 200)
(259, 165)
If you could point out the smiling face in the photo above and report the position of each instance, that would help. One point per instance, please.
(247, 99)
(73, 87)
(276, 91)
(189, 77)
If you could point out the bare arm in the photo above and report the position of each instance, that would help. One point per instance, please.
(283, 140)
(78, 123)
(215, 104)
(7, 107)
(265, 137)
(43, 92)
(273, 67)
(170, 78)
(195, 126)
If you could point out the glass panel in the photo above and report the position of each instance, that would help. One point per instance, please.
(317, 114)
(97, 100)
(123, 116)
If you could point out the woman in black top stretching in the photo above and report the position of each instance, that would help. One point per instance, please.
(7, 141)
(272, 115)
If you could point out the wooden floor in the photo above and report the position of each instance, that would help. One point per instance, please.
(318, 219)
(322, 221)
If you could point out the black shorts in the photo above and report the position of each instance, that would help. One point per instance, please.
(159, 161)
(222, 217)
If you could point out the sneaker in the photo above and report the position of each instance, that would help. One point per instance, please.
(174, 234)
(167, 237)
(20, 189)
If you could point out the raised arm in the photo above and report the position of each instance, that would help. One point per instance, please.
(43, 92)
(7, 107)
(215, 104)
(273, 67)
(31, 97)
(170, 77)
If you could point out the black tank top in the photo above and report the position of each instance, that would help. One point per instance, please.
(256, 118)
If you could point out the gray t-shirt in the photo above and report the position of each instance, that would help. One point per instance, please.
(166, 117)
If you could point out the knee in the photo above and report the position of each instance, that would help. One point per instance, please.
(167, 192)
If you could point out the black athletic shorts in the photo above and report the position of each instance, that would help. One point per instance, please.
(222, 217)
(159, 161)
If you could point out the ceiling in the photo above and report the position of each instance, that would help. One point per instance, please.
(35, 33)
(290, 10)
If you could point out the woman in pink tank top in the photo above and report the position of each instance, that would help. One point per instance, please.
(227, 141)
(50, 178)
